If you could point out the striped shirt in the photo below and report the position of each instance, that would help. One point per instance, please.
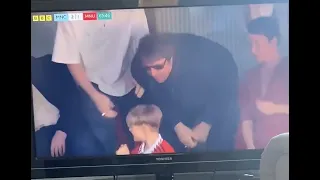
(160, 146)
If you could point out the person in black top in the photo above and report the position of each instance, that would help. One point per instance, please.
(55, 83)
(195, 83)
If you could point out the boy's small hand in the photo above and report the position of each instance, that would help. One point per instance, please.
(123, 150)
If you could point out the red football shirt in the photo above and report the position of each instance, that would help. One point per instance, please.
(160, 146)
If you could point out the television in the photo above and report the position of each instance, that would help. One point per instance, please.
(128, 87)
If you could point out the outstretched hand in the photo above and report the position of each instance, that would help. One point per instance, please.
(105, 105)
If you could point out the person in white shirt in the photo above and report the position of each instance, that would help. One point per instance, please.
(98, 55)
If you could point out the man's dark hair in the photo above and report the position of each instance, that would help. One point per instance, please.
(155, 46)
(267, 26)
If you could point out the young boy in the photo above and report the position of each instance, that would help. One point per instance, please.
(144, 123)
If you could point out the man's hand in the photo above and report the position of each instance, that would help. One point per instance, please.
(58, 144)
(201, 132)
(139, 91)
(104, 105)
(123, 150)
(270, 108)
(185, 135)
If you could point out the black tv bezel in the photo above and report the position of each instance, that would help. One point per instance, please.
(138, 164)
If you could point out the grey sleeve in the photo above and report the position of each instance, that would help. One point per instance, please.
(274, 163)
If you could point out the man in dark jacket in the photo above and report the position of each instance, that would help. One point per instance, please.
(195, 82)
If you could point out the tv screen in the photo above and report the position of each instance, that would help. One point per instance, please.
(127, 83)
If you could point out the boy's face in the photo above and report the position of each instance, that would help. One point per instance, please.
(138, 133)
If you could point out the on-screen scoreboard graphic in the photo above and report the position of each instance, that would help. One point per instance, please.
(61, 17)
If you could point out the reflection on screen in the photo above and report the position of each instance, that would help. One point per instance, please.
(169, 80)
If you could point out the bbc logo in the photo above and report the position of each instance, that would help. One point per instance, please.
(48, 17)
(41, 18)
(35, 18)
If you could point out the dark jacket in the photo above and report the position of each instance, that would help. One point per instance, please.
(56, 84)
(202, 87)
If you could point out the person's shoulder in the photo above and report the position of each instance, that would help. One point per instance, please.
(203, 41)
(196, 43)
(193, 39)
(167, 147)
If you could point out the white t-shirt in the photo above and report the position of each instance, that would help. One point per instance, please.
(104, 47)
(45, 114)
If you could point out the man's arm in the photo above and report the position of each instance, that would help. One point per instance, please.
(283, 108)
(66, 52)
(246, 105)
(82, 80)
(219, 91)
(174, 116)
(247, 133)
(219, 88)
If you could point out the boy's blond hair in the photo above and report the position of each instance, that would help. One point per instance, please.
(145, 114)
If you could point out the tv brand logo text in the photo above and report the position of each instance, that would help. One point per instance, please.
(164, 158)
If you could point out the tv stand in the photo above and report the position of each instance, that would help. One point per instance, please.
(164, 176)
